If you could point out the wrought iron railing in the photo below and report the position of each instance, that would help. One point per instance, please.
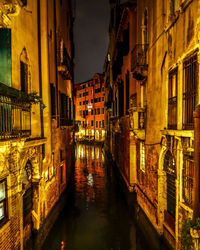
(139, 56)
(138, 118)
(15, 113)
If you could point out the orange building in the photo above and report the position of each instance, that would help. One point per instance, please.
(89, 109)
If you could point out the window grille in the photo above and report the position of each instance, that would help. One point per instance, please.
(190, 68)
(188, 174)
(170, 168)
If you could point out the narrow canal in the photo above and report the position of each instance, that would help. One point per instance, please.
(96, 216)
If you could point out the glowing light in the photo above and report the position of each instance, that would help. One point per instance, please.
(90, 180)
(3, 149)
(82, 153)
(79, 151)
(97, 153)
(46, 175)
(1, 211)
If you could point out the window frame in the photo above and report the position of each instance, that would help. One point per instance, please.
(5, 204)
(187, 178)
(190, 91)
(172, 99)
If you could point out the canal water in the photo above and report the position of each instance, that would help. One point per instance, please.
(96, 216)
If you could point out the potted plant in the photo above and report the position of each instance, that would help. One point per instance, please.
(195, 229)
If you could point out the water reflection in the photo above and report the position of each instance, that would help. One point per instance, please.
(96, 216)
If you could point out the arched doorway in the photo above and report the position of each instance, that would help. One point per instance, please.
(170, 169)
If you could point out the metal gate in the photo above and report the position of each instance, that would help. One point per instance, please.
(170, 168)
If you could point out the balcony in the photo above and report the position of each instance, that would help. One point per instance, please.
(64, 64)
(15, 113)
(137, 117)
(139, 64)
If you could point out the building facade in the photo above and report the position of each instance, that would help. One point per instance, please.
(160, 124)
(89, 111)
(36, 135)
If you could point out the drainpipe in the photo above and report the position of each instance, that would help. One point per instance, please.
(196, 186)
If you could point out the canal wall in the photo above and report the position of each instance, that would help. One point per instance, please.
(37, 239)
(144, 225)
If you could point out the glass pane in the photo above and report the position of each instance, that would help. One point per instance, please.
(2, 191)
(1, 211)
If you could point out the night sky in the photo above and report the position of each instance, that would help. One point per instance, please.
(91, 37)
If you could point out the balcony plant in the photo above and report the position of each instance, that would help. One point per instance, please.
(195, 229)
(190, 234)
(34, 98)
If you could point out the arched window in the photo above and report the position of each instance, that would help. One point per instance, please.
(24, 71)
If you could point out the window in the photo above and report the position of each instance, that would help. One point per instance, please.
(83, 102)
(121, 98)
(92, 100)
(96, 124)
(3, 201)
(142, 156)
(127, 93)
(144, 27)
(174, 6)
(86, 112)
(170, 168)
(102, 123)
(24, 76)
(102, 111)
(98, 111)
(92, 111)
(85, 94)
(95, 111)
(61, 174)
(5, 56)
(99, 124)
(80, 103)
(172, 100)
(102, 99)
(97, 90)
(92, 123)
(63, 109)
(188, 174)
(24, 2)
(190, 68)
(80, 95)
